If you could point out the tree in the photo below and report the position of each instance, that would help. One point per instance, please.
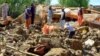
(74, 3)
(17, 6)
(47, 2)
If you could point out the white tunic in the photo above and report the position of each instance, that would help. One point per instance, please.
(5, 9)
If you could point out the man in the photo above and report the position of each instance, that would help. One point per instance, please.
(28, 17)
(71, 30)
(80, 16)
(50, 15)
(33, 13)
(5, 9)
(62, 19)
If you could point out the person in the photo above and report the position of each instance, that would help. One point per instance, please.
(71, 30)
(50, 15)
(47, 29)
(62, 19)
(27, 17)
(5, 9)
(33, 9)
(80, 16)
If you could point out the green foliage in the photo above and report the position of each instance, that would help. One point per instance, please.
(17, 6)
(47, 2)
(74, 3)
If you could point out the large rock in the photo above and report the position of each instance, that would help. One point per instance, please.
(57, 52)
(97, 54)
(56, 42)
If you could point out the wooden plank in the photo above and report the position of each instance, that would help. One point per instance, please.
(94, 11)
(21, 51)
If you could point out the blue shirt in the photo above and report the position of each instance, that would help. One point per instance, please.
(27, 13)
(70, 28)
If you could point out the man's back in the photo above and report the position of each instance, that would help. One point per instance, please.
(5, 7)
(69, 27)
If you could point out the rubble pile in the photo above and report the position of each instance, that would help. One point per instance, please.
(16, 42)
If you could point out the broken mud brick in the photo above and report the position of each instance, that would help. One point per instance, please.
(76, 45)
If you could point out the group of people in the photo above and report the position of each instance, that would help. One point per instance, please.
(66, 23)
(30, 13)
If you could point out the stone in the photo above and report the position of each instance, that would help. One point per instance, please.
(89, 42)
(84, 36)
(55, 42)
(97, 54)
(20, 31)
(78, 53)
(57, 52)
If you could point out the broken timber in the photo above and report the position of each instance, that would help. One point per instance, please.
(21, 51)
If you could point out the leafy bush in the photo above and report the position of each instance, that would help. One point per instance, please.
(74, 3)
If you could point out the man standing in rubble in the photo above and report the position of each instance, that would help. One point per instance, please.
(62, 19)
(64, 14)
(27, 17)
(80, 16)
(5, 9)
(33, 9)
(50, 15)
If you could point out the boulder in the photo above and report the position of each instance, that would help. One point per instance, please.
(57, 52)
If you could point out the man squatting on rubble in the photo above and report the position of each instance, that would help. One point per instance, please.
(63, 21)
(71, 30)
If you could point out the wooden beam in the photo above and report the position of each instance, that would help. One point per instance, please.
(21, 51)
(94, 11)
